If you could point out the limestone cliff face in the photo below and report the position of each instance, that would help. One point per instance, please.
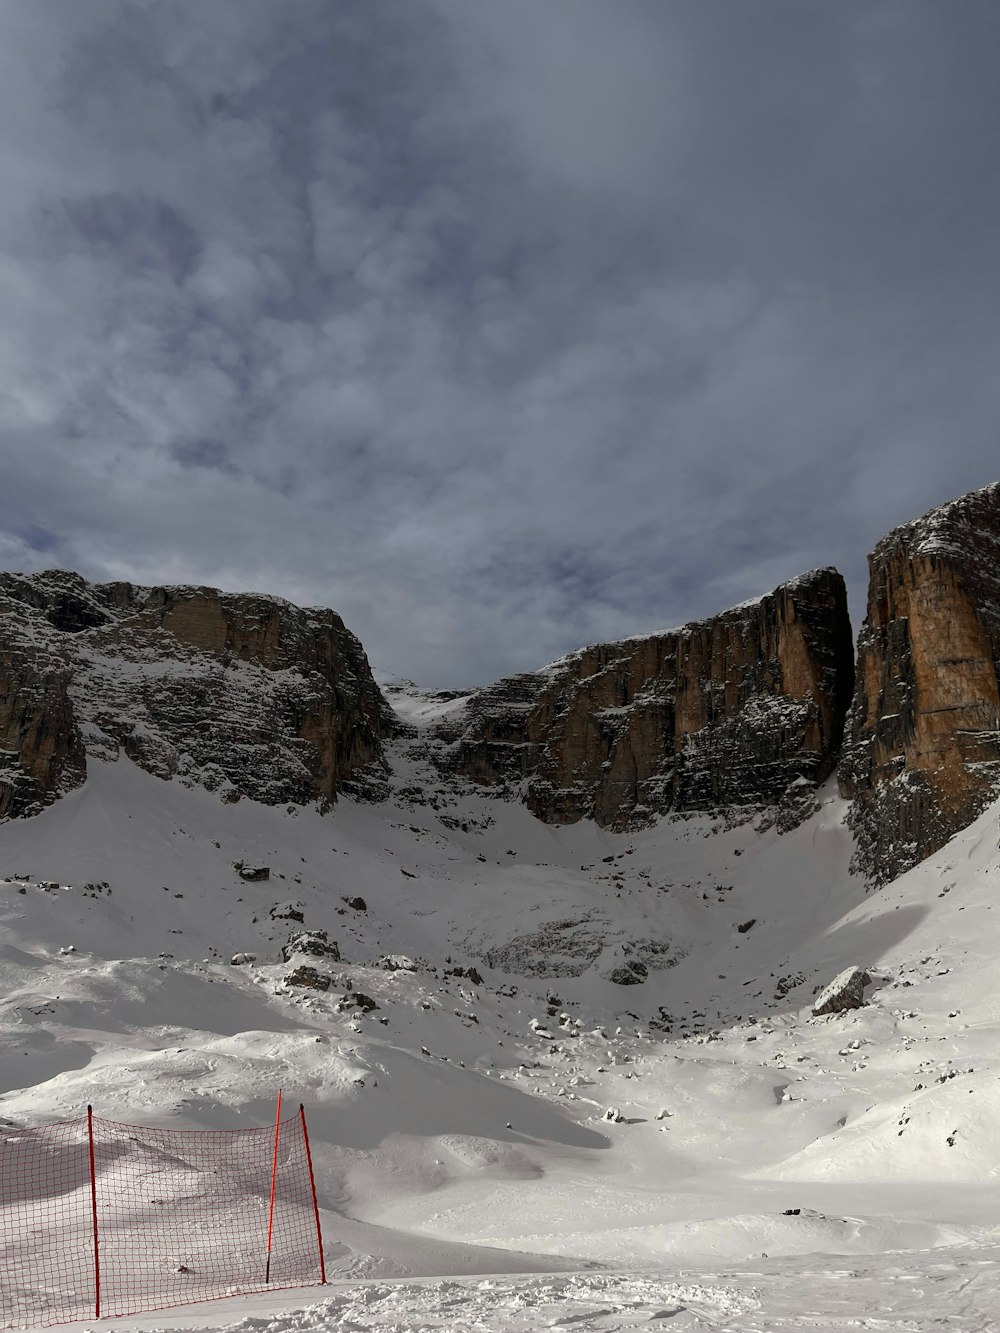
(245, 694)
(922, 755)
(740, 710)
(41, 748)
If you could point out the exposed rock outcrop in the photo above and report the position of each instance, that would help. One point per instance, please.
(733, 711)
(41, 748)
(315, 943)
(237, 692)
(922, 751)
(564, 948)
(308, 978)
(629, 974)
(570, 946)
(845, 991)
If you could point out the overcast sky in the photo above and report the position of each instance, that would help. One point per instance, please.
(500, 326)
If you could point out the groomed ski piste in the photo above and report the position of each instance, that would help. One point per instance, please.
(761, 1169)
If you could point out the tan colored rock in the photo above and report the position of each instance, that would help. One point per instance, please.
(922, 756)
(42, 752)
(726, 712)
(41, 749)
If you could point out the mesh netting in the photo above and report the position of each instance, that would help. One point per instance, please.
(181, 1216)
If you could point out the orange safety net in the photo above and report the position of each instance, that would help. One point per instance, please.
(100, 1218)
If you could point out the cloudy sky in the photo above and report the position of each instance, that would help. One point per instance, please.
(501, 326)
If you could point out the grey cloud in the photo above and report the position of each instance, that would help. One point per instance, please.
(500, 328)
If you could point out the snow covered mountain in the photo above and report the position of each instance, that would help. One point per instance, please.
(579, 1050)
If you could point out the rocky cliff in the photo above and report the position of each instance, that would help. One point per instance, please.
(240, 693)
(743, 710)
(922, 754)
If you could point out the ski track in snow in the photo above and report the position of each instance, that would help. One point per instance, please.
(468, 1176)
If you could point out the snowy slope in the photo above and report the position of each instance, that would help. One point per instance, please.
(460, 1127)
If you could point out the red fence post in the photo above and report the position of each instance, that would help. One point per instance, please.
(312, 1186)
(93, 1209)
(274, 1181)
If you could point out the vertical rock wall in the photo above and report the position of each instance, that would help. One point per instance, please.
(922, 757)
(733, 711)
(41, 748)
(241, 693)
(255, 697)
(320, 678)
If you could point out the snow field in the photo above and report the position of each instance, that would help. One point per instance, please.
(466, 1134)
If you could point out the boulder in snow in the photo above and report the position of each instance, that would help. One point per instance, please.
(241, 959)
(291, 911)
(397, 962)
(471, 973)
(312, 942)
(308, 978)
(632, 973)
(252, 873)
(845, 991)
(614, 1115)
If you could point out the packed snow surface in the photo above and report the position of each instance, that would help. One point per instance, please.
(764, 1170)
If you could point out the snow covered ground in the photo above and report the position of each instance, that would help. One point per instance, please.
(763, 1169)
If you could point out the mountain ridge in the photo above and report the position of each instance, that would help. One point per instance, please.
(522, 1045)
(245, 694)
(742, 713)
